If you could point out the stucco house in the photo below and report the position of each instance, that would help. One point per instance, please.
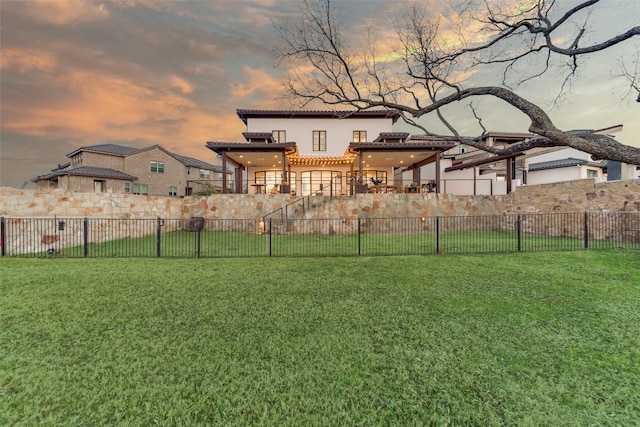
(325, 153)
(467, 170)
(116, 168)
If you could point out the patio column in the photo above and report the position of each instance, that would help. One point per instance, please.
(361, 186)
(437, 173)
(416, 175)
(224, 172)
(475, 186)
(238, 177)
(509, 173)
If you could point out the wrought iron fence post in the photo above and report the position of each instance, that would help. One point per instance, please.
(198, 243)
(270, 236)
(3, 235)
(586, 230)
(437, 234)
(519, 228)
(359, 234)
(159, 237)
(85, 236)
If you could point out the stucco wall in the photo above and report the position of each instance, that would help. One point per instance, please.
(575, 196)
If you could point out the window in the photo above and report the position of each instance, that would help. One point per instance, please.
(273, 178)
(76, 160)
(140, 189)
(373, 177)
(99, 186)
(592, 173)
(325, 182)
(205, 174)
(359, 136)
(173, 191)
(157, 167)
(279, 136)
(127, 187)
(319, 140)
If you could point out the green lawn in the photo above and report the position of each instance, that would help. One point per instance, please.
(507, 339)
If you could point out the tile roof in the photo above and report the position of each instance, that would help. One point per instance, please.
(118, 150)
(509, 134)
(391, 135)
(483, 136)
(121, 150)
(556, 164)
(250, 146)
(437, 144)
(195, 163)
(268, 136)
(88, 171)
(244, 114)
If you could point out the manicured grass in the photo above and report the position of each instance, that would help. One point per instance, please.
(519, 339)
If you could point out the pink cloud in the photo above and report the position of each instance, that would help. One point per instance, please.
(64, 12)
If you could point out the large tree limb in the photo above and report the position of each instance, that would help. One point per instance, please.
(426, 87)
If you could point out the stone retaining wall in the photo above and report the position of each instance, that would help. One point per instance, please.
(573, 196)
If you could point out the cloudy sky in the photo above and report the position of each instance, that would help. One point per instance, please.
(138, 73)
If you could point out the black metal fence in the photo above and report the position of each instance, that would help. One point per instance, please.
(284, 237)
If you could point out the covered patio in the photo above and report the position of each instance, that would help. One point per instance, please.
(264, 166)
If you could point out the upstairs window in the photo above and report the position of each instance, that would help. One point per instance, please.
(359, 136)
(141, 189)
(279, 136)
(319, 140)
(205, 174)
(76, 160)
(157, 167)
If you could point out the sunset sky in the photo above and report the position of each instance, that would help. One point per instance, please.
(139, 73)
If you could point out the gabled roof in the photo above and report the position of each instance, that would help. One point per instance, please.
(123, 151)
(88, 171)
(245, 114)
(113, 149)
(556, 164)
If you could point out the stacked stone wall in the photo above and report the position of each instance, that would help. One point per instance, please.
(572, 196)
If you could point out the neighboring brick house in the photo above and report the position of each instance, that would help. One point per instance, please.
(120, 169)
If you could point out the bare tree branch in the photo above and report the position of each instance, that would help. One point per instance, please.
(425, 75)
